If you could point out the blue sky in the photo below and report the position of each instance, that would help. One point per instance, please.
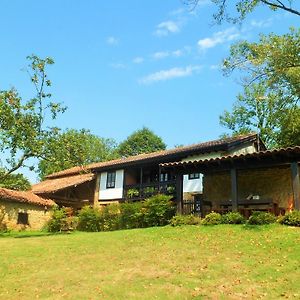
(121, 65)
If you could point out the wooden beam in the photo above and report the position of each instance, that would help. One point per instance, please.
(141, 181)
(179, 192)
(96, 190)
(234, 189)
(159, 174)
(295, 184)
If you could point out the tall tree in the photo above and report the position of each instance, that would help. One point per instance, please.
(23, 133)
(289, 133)
(271, 80)
(235, 11)
(73, 148)
(256, 110)
(14, 181)
(141, 141)
(274, 60)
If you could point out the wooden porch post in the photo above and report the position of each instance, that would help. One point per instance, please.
(179, 192)
(96, 191)
(159, 174)
(296, 185)
(234, 189)
(141, 181)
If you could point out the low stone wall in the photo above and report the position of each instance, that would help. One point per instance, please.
(37, 215)
(271, 183)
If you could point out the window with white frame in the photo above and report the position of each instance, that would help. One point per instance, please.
(111, 180)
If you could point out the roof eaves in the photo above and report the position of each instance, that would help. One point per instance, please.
(177, 153)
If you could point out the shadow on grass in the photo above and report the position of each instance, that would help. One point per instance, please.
(258, 227)
(24, 234)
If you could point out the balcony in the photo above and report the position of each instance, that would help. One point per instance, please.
(136, 192)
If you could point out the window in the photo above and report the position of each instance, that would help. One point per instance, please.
(23, 218)
(111, 180)
(194, 176)
(164, 177)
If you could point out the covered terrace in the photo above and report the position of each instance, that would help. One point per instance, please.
(266, 180)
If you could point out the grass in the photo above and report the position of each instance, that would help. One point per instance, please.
(189, 262)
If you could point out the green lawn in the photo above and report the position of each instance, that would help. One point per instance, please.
(220, 262)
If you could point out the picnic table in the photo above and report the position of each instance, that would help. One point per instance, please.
(246, 206)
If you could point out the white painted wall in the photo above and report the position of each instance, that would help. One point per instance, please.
(242, 149)
(192, 185)
(208, 155)
(112, 193)
(245, 149)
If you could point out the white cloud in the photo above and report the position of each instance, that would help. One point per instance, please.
(262, 24)
(177, 53)
(118, 65)
(160, 55)
(204, 2)
(138, 60)
(219, 37)
(169, 74)
(177, 12)
(113, 41)
(215, 67)
(163, 54)
(167, 27)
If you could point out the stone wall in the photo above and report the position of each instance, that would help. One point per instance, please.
(37, 215)
(271, 183)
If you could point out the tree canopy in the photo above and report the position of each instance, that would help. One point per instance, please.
(271, 80)
(235, 11)
(23, 132)
(14, 181)
(141, 141)
(74, 148)
(289, 134)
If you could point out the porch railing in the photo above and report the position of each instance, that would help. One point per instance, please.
(136, 192)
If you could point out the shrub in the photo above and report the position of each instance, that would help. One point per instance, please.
(158, 210)
(292, 218)
(131, 215)
(155, 211)
(212, 218)
(58, 221)
(261, 218)
(72, 223)
(179, 220)
(89, 219)
(233, 218)
(131, 193)
(109, 218)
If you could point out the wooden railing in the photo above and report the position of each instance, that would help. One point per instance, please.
(136, 192)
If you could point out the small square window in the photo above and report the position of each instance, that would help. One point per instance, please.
(164, 177)
(111, 180)
(194, 176)
(23, 218)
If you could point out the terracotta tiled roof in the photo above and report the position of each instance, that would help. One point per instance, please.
(54, 185)
(289, 151)
(215, 145)
(24, 197)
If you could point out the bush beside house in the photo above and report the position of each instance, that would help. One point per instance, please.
(292, 218)
(154, 211)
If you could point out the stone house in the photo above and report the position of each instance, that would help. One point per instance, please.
(138, 177)
(236, 173)
(23, 210)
